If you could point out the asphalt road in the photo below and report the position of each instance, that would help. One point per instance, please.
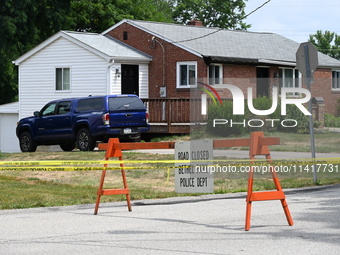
(210, 224)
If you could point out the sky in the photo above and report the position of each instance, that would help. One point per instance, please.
(294, 19)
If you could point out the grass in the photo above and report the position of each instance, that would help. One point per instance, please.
(25, 189)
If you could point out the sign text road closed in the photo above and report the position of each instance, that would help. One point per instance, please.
(194, 177)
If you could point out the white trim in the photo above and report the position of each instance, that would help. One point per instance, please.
(178, 64)
(335, 89)
(55, 79)
(53, 38)
(220, 74)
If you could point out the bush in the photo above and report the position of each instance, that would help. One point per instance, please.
(302, 121)
(224, 111)
(264, 103)
(216, 111)
(331, 120)
(338, 108)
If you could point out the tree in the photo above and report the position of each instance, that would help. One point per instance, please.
(98, 15)
(212, 13)
(327, 43)
(24, 24)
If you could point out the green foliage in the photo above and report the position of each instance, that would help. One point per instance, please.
(213, 13)
(302, 121)
(331, 120)
(224, 111)
(338, 107)
(216, 111)
(24, 24)
(327, 43)
(99, 15)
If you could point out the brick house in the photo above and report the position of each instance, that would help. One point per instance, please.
(184, 54)
(162, 63)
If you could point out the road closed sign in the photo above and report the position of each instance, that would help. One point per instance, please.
(194, 177)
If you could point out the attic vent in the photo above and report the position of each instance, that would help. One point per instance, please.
(125, 35)
(196, 23)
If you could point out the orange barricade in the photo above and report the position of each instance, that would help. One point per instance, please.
(114, 150)
(258, 145)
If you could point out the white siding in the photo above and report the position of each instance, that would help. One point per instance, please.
(143, 80)
(116, 87)
(37, 75)
(8, 139)
(116, 82)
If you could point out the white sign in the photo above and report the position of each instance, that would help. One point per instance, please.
(194, 177)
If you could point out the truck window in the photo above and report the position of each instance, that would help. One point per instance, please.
(48, 109)
(90, 104)
(131, 103)
(64, 107)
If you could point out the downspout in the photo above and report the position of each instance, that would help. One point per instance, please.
(108, 76)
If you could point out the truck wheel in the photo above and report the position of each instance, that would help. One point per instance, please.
(68, 146)
(26, 142)
(85, 141)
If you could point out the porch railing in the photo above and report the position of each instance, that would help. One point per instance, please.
(173, 112)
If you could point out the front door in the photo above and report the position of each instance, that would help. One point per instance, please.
(262, 82)
(130, 81)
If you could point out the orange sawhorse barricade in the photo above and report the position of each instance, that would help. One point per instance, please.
(258, 145)
(114, 150)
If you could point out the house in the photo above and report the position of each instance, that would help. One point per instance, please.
(184, 54)
(162, 63)
(73, 64)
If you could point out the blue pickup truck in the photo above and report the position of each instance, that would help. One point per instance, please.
(81, 122)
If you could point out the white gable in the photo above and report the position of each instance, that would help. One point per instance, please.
(37, 75)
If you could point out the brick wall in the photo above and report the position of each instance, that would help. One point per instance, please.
(161, 60)
(162, 69)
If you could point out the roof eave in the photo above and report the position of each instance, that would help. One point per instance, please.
(130, 22)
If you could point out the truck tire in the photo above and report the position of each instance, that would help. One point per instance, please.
(26, 142)
(85, 140)
(68, 146)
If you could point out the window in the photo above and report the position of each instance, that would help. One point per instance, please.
(62, 78)
(90, 104)
(64, 107)
(336, 80)
(125, 35)
(215, 74)
(186, 74)
(48, 109)
(131, 103)
(290, 78)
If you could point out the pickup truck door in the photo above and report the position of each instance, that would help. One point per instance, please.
(54, 122)
(62, 126)
(43, 124)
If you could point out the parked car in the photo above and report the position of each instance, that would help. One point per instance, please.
(81, 122)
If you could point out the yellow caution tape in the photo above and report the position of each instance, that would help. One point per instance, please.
(71, 165)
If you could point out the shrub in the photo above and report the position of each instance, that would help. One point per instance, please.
(293, 112)
(331, 120)
(224, 111)
(338, 108)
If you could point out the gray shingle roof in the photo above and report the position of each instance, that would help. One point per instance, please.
(264, 47)
(108, 46)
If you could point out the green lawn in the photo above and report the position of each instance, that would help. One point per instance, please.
(24, 189)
